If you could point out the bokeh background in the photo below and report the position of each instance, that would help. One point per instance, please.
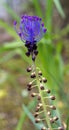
(53, 59)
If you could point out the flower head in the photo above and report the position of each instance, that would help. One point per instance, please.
(31, 30)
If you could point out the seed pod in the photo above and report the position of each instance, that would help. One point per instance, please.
(33, 94)
(40, 105)
(33, 75)
(55, 118)
(39, 97)
(44, 79)
(53, 107)
(51, 120)
(29, 89)
(37, 120)
(42, 87)
(36, 114)
(48, 90)
(39, 73)
(43, 128)
(37, 109)
(29, 84)
(52, 97)
(60, 128)
(29, 69)
(40, 80)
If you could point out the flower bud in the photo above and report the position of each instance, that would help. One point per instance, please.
(36, 52)
(42, 87)
(39, 97)
(43, 128)
(48, 90)
(29, 84)
(37, 120)
(36, 114)
(29, 89)
(33, 75)
(52, 97)
(40, 80)
(40, 105)
(29, 69)
(37, 109)
(27, 54)
(60, 128)
(39, 73)
(53, 107)
(33, 94)
(51, 120)
(44, 80)
(55, 118)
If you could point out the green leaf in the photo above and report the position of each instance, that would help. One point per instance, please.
(37, 7)
(24, 116)
(9, 29)
(67, 124)
(59, 8)
(28, 113)
(49, 14)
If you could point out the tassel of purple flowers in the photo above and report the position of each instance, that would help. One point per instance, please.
(31, 31)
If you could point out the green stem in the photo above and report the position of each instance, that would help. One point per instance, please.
(44, 106)
(42, 100)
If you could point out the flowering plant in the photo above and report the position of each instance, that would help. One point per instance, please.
(31, 31)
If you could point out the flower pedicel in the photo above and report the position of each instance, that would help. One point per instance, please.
(31, 30)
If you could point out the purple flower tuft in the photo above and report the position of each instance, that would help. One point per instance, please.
(31, 28)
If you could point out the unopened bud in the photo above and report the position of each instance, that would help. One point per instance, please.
(43, 128)
(39, 97)
(36, 114)
(48, 90)
(28, 88)
(37, 120)
(29, 84)
(51, 120)
(53, 107)
(42, 87)
(40, 80)
(52, 97)
(36, 52)
(33, 75)
(33, 94)
(37, 109)
(40, 105)
(29, 69)
(39, 73)
(44, 80)
(60, 128)
(55, 118)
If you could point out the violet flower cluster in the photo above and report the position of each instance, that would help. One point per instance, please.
(31, 30)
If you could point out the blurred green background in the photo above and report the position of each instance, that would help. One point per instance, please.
(53, 60)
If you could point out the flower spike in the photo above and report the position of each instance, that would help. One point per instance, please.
(31, 30)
